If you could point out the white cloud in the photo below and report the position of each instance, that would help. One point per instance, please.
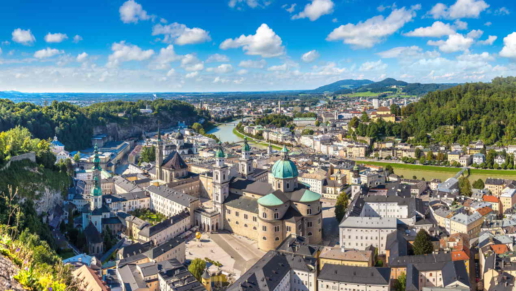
(437, 29)
(190, 62)
(55, 37)
(454, 43)
(283, 67)
(373, 66)
(461, 9)
(77, 38)
(489, 41)
(253, 64)
(460, 25)
(289, 9)
(82, 57)
(316, 9)
(180, 34)
(171, 72)
(123, 52)
(509, 46)
(374, 30)
(47, 53)
(242, 72)
(310, 56)
(489, 23)
(238, 4)
(475, 33)
(334, 20)
(24, 37)
(192, 74)
(502, 11)
(217, 58)
(222, 69)
(132, 12)
(164, 58)
(265, 43)
(330, 69)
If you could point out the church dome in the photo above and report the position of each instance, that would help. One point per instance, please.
(245, 146)
(284, 169)
(220, 153)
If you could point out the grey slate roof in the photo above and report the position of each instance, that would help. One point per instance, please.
(151, 230)
(177, 197)
(355, 275)
(242, 202)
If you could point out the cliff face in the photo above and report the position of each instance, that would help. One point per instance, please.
(7, 271)
(122, 131)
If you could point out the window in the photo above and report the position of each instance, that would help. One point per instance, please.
(276, 228)
(245, 216)
(237, 214)
(264, 228)
(264, 238)
(276, 239)
(264, 215)
(309, 211)
(229, 211)
(309, 224)
(289, 228)
(309, 234)
(254, 218)
(276, 215)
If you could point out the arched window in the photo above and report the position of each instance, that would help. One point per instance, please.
(276, 239)
(264, 215)
(309, 234)
(276, 215)
(264, 238)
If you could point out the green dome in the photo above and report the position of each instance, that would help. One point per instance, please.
(310, 196)
(270, 200)
(220, 153)
(245, 146)
(284, 169)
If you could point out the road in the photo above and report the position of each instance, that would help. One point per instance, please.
(330, 224)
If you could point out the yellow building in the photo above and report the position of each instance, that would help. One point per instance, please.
(336, 256)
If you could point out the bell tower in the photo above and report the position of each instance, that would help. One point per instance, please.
(159, 156)
(220, 183)
(245, 166)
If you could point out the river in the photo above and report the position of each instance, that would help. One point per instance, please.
(224, 132)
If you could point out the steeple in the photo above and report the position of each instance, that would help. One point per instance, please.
(284, 153)
(246, 162)
(220, 156)
(269, 149)
(96, 159)
(159, 155)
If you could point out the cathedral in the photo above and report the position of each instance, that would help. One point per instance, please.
(267, 212)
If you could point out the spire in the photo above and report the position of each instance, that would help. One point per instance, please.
(96, 190)
(220, 152)
(159, 131)
(246, 147)
(96, 158)
(284, 152)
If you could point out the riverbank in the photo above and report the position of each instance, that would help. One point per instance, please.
(240, 135)
(442, 173)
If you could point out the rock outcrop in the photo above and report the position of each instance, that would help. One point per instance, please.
(7, 271)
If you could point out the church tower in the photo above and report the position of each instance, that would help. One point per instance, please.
(159, 156)
(356, 185)
(96, 192)
(245, 166)
(220, 183)
(206, 280)
(285, 173)
(269, 149)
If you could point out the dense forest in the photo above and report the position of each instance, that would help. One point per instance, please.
(74, 125)
(462, 114)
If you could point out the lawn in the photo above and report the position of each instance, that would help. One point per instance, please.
(442, 173)
(253, 141)
(148, 215)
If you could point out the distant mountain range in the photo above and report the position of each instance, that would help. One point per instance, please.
(388, 85)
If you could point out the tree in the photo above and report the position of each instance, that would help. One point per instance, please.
(401, 283)
(77, 157)
(354, 122)
(479, 184)
(148, 154)
(197, 267)
(465, 186)
(364, 117)
(341, 205)
(307, 131)
(417, 152)
(317, 122)
(389, 169)
(197, 127)
(422, 243)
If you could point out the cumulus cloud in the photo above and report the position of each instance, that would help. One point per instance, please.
(192, 74)
(180, 34)
(132, 12)
(437, 29)
(373, 66)
(374, 30)
(55, 37)
(265, 43)
(222, 69)
(77, 38)
(502, 11)
(283, 67)
(217, 58)
(461, 9)
(509, 46)
(123, 52)
(310, 56)
(242, 72)
(316, 9)
(164, 58)
(460, 25)
(330, 69)
(489, 41)
(24, 37)
(190, 62)
(454, 43)
(253, 64)
(82, 57)
(475, 33)
(47, 53)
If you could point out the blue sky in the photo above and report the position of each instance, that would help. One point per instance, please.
(249, 45)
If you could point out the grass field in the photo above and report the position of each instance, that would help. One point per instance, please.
(443, 173)
(252, 141)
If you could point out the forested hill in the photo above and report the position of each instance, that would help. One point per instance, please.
(348, 84)
(75, 125)
(466, 113)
